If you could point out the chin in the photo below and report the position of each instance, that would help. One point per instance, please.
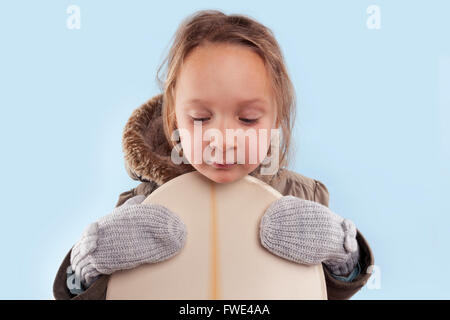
(222, 176)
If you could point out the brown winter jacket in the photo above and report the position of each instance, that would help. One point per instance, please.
(147, 159)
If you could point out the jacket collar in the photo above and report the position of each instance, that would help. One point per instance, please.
(147, 151)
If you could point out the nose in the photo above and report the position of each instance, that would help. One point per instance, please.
(227, 145)
(222, 150)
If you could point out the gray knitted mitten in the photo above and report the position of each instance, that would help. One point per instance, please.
(309, 233)
(131, 235)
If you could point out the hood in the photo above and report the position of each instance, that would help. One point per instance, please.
(147, 151)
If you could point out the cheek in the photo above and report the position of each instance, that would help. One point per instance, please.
(193, 145)
(186, 133)
(256, 147)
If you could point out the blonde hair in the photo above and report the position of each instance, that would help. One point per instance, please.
(214, 26)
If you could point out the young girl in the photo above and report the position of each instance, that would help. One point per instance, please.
(224, 72)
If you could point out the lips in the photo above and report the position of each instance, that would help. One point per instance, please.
(223, 166)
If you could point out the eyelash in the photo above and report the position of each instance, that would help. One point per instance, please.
(246, 121)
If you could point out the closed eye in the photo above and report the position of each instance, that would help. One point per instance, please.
(247, 121)
(200, 119)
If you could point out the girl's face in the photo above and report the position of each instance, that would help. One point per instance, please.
(224, 86)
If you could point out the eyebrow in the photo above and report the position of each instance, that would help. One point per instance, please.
(242, 102)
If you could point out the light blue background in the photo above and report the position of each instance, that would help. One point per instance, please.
(372, 124)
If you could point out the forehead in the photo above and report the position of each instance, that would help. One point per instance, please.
(223, 74)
